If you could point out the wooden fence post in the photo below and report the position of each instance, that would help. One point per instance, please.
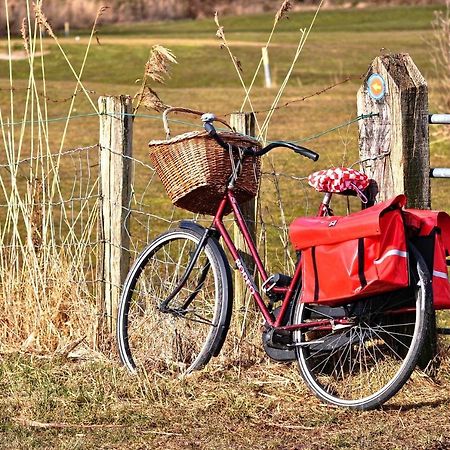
(395, 142)
(244, 123)
(116, 131)
(396, 146)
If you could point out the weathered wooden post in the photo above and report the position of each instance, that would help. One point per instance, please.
(395, 141)
(244, 123)
(395, 145)
(116, 126)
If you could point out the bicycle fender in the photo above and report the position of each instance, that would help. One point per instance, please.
(194, 226)
(218, 249)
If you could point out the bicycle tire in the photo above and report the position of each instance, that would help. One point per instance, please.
(363, 365)
(429, 360)
(178, 341)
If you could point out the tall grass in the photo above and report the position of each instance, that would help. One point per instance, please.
(441, 54)
(48, 225)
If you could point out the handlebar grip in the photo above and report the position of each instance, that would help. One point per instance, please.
(307, 153)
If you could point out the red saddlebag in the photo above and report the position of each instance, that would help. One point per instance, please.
(429, 231)
(346, 258)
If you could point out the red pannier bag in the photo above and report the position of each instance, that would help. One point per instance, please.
(429, 231)
(345, 258)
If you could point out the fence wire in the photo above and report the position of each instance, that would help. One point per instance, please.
(51, 240)
(51, 244)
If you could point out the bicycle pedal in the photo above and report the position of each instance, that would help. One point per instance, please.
(278, 347)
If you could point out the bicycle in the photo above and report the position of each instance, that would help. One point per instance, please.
(176, 307)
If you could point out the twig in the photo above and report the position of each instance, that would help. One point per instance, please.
(304, 37)
(71, 347)
(284, 8)
(37, 424)
(292, 427)
(236, 63)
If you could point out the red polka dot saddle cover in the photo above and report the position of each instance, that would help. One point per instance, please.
(339, 180)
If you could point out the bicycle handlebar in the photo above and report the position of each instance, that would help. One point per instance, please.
(296, 148)
(209, 127)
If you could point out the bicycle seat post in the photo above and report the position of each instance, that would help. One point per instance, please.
(324, 208)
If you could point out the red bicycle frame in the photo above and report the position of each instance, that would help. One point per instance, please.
(275, 322)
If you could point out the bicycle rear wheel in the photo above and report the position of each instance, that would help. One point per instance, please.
(192, 329)
(363, 364)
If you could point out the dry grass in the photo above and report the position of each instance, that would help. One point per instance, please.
(48, 403)
(157, 69)
(46, 256)
(59, 403)
(441, 54)
(42, 309)
(285, 7)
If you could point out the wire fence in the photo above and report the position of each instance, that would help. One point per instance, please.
(51, 244)
(51, 228)
(48, 209)
(51, 238)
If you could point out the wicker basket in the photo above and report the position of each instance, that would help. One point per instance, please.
(194, 169)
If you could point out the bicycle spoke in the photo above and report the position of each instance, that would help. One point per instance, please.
(394, 352)
(360, 365)
(174, 339)
(392, 333)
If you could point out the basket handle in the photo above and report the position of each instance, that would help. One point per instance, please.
(187, 111)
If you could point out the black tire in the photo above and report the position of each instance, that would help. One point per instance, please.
(429, 360)
(362, 365)
(177, 341)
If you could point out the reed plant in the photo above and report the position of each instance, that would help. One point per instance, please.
(48, 223)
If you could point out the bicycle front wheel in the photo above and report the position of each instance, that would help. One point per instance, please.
(370, 347)
(185, 335)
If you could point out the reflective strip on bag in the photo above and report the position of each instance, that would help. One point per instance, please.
(394, 252)
(438, 274)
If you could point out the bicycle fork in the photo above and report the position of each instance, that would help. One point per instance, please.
(164, 305)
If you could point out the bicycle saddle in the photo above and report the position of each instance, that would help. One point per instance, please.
(339, 180)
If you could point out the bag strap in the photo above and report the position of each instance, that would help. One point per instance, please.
(316, 274)
(361, 274)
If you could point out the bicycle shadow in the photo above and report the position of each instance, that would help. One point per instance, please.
(401, 407)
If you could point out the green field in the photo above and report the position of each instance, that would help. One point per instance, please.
(342, 45)
(54, 403)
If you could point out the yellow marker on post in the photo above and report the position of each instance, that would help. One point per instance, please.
(376, 86)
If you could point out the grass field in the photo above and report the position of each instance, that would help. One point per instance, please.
(51, 402)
